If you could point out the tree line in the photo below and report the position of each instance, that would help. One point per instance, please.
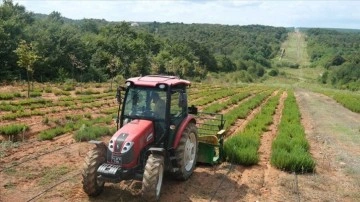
(338, 53)
(98, 50)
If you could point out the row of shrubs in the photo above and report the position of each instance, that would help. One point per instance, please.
(58, 92)
(349, 100)
(242, 148)
(74, 124)
(9, 96)
(18, 109)
(13, 129)
(208, 97)
(91, 132)
(242, 111)
(71, 105)
(86, 130)
(290, 149)
(216, 107)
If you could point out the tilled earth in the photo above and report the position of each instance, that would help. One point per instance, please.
(49, 170)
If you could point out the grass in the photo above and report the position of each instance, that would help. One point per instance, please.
(295, 50)
(9, 185)
(5, 145)
(53, 174)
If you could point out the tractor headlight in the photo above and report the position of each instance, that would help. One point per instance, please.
(111, 145)
(127, 146)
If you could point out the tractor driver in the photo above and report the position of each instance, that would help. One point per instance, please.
(159, 108)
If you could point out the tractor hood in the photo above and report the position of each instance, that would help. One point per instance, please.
(126, 144)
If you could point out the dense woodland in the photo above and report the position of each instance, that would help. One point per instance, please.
(337, 52)
(97, 50)
(53, 48)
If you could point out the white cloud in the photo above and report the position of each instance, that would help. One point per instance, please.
(344, 14)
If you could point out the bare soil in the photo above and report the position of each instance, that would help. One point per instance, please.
(50, 170)
(334, 136)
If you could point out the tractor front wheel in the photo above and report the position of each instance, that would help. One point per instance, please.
(153, 177)
(95, 157)
(186, 152)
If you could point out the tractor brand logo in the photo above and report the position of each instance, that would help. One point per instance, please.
(148, 138)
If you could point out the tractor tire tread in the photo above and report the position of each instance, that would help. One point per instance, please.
(182, 174)
(93, 160)
(150, 178)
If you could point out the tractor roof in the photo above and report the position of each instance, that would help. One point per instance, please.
(154, 80)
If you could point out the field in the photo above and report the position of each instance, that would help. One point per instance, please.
(287, 139)
(44, 159)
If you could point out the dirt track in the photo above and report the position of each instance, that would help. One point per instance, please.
(334, 135)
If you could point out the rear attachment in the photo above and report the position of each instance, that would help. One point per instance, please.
(211, 137)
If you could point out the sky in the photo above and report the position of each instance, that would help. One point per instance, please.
(280, 13)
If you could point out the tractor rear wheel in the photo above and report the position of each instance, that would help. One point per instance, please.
(95, 157)
(153, 177)
(186, 152)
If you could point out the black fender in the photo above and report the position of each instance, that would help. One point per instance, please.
(156, 150)
(98, 143)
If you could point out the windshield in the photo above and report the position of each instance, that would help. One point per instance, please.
(148, 103)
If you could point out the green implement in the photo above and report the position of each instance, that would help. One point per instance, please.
(211, 148)
(211, 137)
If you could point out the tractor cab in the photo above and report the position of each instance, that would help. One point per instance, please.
(159, 99)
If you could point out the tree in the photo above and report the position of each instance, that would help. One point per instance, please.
(114, 64)
(14, 21)
(27, 57)
(77, 64)
(227, 65)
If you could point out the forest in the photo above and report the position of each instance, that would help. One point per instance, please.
(59, 49)
(51, 47)
(338, 53)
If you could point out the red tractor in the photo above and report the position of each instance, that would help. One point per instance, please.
(156, 134)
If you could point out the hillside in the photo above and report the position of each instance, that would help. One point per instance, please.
(288, 134)
(337, 53)
(97, 50)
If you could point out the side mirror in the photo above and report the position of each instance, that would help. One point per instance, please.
(192, 110)
(118, 93)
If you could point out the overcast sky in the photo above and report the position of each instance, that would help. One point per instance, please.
(323, 14)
